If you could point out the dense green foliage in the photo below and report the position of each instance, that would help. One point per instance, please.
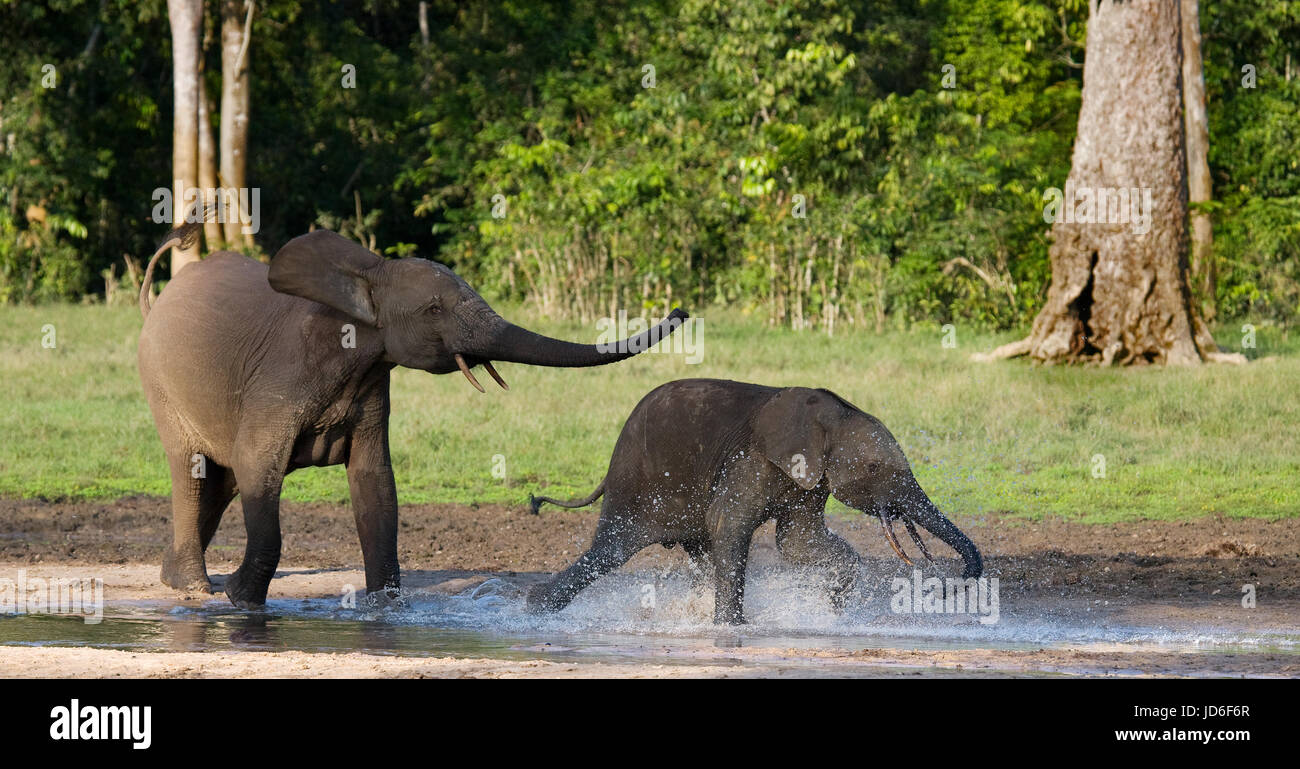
(922, 202)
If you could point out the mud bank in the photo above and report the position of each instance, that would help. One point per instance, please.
(1144, 599)
(1157, 559)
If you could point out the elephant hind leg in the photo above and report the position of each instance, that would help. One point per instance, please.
(259, 488)
(608, 551)
(213, 503)
(201, 491)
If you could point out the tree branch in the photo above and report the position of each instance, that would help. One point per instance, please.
(248, 33)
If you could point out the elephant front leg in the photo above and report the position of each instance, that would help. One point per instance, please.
(732, 535)
(374, 505)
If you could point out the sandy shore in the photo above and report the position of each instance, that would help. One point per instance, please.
(759, 662)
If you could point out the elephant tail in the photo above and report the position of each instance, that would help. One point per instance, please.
(183, 236)
(534, 503)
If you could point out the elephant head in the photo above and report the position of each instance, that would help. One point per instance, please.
(428, 317)
(815, 434)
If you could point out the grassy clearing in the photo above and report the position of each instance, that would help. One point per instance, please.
(1006, 437)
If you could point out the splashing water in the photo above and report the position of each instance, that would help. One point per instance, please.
(785, 604)
(667, 615)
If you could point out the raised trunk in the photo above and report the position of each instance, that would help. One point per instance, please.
(1119, 291)
(236, 18)
(519, 345)
(186, 20)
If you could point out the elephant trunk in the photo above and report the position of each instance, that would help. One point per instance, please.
(933, 521)
(513, 344)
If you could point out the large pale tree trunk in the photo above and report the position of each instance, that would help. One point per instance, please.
(1198, 163)
(1119, 291)
(236, 21)
(186, 19)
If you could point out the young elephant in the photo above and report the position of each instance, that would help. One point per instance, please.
(705, 462)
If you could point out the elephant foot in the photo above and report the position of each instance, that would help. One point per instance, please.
(541, 600)
(839, 592)
(187, 578)
(386, 598)
(202, 586)
(243, 595)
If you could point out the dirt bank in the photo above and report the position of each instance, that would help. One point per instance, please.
(1165, 575)
(1155, 560)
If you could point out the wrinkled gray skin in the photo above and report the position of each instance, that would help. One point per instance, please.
(705, 462)
(248, 369)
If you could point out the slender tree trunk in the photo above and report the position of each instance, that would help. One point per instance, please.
(186, 19)
(1119, 291)
(208, 179)
(236, 18)
(1198, 164)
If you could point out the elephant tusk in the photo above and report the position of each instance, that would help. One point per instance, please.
(487, 364)
(460, 361)
(888, 528)
(911, 529)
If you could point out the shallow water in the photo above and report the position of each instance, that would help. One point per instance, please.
(664, 617)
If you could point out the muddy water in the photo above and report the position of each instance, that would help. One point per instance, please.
(659, 617)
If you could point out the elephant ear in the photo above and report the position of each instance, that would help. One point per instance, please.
(787, 432)
(326, 267)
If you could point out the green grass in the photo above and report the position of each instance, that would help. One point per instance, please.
(1004, 437)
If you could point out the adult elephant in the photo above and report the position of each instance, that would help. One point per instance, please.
(252, 373)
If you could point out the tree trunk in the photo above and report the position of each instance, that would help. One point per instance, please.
(236, 19)
(1198, 165)
(1119, 291)
(186, 19)
(213, 235)
(208, 179)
